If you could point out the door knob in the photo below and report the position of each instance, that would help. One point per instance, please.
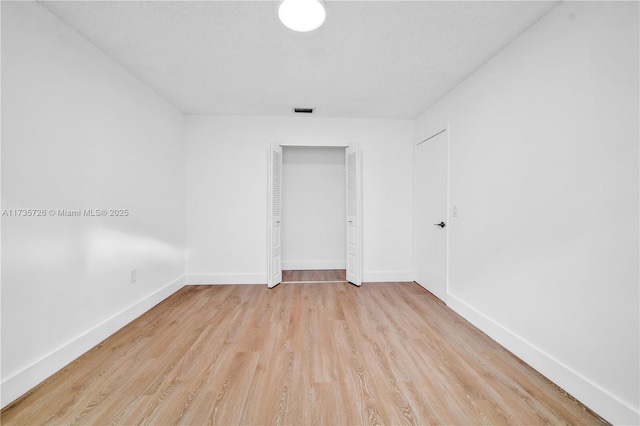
(441, 224)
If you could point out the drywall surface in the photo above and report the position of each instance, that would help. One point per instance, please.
(227, 191)
(544, 172)
(80, 135)
(313, 208)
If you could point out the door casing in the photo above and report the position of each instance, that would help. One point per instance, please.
(274, 276)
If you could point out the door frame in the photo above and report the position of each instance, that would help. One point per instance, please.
(269, 205)
(435, 131)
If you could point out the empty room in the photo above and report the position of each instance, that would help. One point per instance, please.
(320, 212)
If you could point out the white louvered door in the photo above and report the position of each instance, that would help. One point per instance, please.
(275, 208)
(354, 216)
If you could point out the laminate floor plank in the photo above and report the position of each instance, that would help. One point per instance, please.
(300, 409)
(324, 407)
(298, 354)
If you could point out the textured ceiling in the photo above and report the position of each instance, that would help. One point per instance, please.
(376, 59)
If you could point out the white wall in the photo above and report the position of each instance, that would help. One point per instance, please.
(544, 170)
(227, 192)
(79, 132)
(313, 208)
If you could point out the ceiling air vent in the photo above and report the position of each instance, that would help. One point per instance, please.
(303, 110)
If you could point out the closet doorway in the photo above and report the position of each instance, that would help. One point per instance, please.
(314, 214)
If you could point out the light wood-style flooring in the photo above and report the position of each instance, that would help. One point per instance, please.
(300, 354)
(321, 275)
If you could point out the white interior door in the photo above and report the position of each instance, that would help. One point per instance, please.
(275, 216)
(354, 216)
(430, 214)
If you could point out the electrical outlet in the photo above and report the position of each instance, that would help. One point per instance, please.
(134, 275)
(455, 211)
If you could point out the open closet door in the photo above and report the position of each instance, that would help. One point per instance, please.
(274, 209)
(354, 216)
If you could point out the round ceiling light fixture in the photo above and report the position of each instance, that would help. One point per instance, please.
(302, 15)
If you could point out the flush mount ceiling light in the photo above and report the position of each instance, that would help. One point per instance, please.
(302, 15)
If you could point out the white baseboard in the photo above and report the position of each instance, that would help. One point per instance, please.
(590, 394)
(18, 384)
(227, 279)
(387, 276)
(299, 265)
